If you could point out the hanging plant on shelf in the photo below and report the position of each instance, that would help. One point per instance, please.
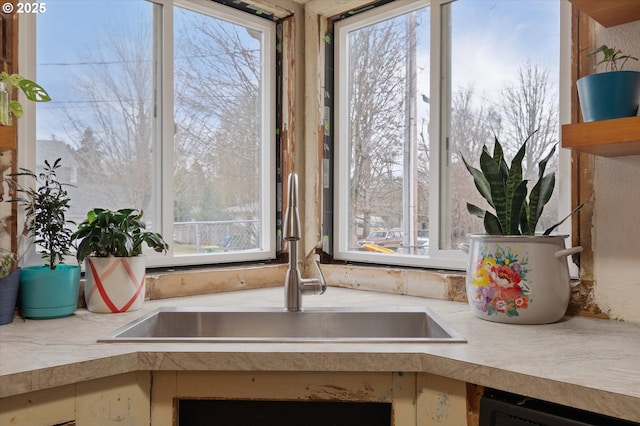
(32, 90)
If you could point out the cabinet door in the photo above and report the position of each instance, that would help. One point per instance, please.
(42, 408)
(397, 389)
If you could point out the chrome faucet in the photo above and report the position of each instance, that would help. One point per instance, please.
(294, 285)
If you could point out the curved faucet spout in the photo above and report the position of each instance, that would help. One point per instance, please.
(294, 285)
(291, 230)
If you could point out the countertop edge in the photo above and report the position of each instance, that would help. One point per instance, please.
(595, 400)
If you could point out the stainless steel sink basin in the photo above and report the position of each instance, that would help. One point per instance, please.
(266, 325)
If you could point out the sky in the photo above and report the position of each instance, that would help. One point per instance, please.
(486, 53)
(493, 51)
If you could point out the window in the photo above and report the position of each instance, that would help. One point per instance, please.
(165, 107)
(418, 84)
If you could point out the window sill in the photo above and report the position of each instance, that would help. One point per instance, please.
(446, 285)
(433, 284)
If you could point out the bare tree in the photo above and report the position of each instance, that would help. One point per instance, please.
(531, 105)
(377, 87)
(113, 120)
(218, 86)
(473, 125)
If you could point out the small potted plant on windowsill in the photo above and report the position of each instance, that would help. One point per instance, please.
(515, 275)
(614, 93)
(49, 291)
(9, 280)
(9, 261)
(112, 242)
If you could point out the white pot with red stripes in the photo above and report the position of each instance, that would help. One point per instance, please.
(114, 284)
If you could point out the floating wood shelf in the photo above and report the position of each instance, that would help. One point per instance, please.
(610, 12)
(607, 138)
(7, 137)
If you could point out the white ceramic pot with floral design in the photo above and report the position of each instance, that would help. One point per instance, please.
(519, 279)
(114, 284)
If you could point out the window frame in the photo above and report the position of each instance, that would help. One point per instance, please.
(163, 30)
(438, 116)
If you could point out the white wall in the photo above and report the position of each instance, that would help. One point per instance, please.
(616, 221)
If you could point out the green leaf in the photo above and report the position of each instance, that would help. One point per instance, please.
(16, 108)
(540, 196)
(491, 169)
(542, 165)
(524, 220)
(549, 230)
(475, 210)
(492, 224)
(33, 91)
(480, 181)
(517, 203)
(514, 183)
(15, 79)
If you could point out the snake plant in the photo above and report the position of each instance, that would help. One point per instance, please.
(506, 191)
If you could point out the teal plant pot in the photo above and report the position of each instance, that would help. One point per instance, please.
(46, 293)
(8, 294)
(609, 95)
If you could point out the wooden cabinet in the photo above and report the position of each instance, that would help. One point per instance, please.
(609, 13)
(110, 401)
(416, 398)
(608, 138)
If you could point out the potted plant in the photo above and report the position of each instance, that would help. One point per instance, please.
(614, 93)
(51, 290)
(112, 242)
(515, 275)
(32, 90)
(9, 280)
(9, 262)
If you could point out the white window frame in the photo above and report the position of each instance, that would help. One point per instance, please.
(163, 46)
(437, 258)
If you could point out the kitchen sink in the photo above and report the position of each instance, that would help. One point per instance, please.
(268, 325)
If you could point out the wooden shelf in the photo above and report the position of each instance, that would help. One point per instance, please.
(607, 138)
(7, 137)
(610, 12)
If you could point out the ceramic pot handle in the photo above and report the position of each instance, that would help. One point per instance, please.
(464, 247)
(567, 252)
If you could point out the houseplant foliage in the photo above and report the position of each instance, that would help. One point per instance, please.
(49, 291)
(9, 261)
(504, 188)
(118, 233)
(611, 56)
(45, 207)
(111, 244)
(614, 93)
(514, 275)
(32, 90)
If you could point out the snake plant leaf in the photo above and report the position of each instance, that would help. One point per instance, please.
(491, 167)
(475, 210)
(542, 165)
(517, 203)
(480, 181)
(513, 184)
(524, 220)
(498, 156)
(502, 185)
(492, 224)
(549, 230)
(540, 196)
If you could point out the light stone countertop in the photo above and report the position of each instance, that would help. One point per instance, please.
(582, 362)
